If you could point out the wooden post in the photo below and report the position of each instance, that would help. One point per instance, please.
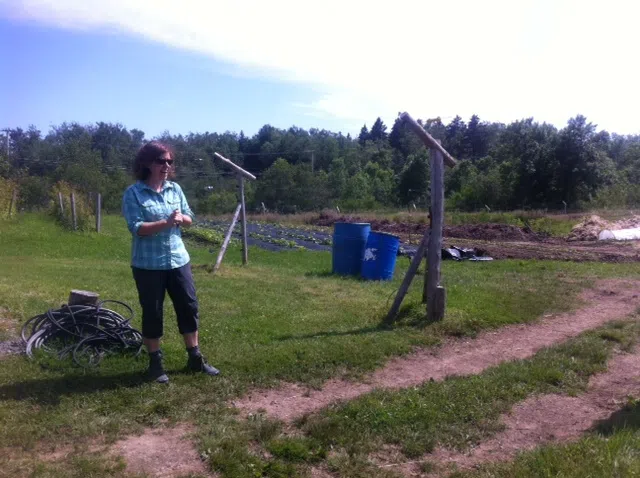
(435, 307)
(425, 284)
(82, 297)
(227, 238)
(243, 215)
(61, 203)
(74, 219)
(439, 301)
(411, 272)
(12, 204)
(436, 295)
(98, 212)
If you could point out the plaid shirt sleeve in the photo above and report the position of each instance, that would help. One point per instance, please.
(132, 211)
(184, 205)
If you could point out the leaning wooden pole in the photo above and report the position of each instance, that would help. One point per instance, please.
(242, 174)
(411, 272)
(427, 139)
(435, 303)
(235, 167)
(227, 238)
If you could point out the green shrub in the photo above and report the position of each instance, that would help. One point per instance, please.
(221, 202)
(619, 195)
(34, 193)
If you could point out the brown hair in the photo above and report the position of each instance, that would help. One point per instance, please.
(147, 155)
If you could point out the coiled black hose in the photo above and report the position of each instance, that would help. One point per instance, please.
(86, 332)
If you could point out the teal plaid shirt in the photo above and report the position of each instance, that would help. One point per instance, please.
(165, 249)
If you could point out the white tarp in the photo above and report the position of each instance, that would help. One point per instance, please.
(620, 235)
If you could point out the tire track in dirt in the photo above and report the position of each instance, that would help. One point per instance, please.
(550, 418)
(609, 300)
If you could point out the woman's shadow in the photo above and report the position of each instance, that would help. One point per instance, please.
(48, 391)
(627, 417)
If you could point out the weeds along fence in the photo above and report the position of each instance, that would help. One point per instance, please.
(76, 210)
(72, 208)
(8, 197)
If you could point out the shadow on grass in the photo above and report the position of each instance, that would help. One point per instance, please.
(627, 417)
(409, 315)
(48, 391)
(330, 274)
(335, 333)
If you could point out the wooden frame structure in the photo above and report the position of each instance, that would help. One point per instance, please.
(240, 211)
(434, 294)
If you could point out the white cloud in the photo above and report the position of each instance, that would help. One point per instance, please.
(502, 59)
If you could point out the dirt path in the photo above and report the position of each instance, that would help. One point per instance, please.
(551, 418)
(609, 300)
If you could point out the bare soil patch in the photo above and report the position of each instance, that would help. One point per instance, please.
(162, 452)
(609, 300)
(505, 241)
(11, 347)
(157, 452)
(554, 249)
(9, 343)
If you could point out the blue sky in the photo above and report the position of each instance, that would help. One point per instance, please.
(201, 65)
(56, 75)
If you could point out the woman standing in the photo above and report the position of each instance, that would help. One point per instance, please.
(155, 209)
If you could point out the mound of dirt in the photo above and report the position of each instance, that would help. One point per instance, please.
(382, 225)
(328, 220)
(484, 232)
(490, 232)
(588, 229)
(629, 223)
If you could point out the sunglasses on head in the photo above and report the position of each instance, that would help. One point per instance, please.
(168, 162)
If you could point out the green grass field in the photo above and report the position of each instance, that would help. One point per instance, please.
(282, 317)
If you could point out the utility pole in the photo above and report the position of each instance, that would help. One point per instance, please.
(7, 131)
(313, 158)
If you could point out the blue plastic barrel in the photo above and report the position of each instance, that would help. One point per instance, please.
(380, 256)
(349, 241)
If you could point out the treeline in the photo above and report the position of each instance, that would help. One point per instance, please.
(521, 165)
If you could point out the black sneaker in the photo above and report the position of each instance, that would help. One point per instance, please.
(156, 370)
(197, 363)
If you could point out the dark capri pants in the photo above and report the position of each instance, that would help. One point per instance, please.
(152, 285)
